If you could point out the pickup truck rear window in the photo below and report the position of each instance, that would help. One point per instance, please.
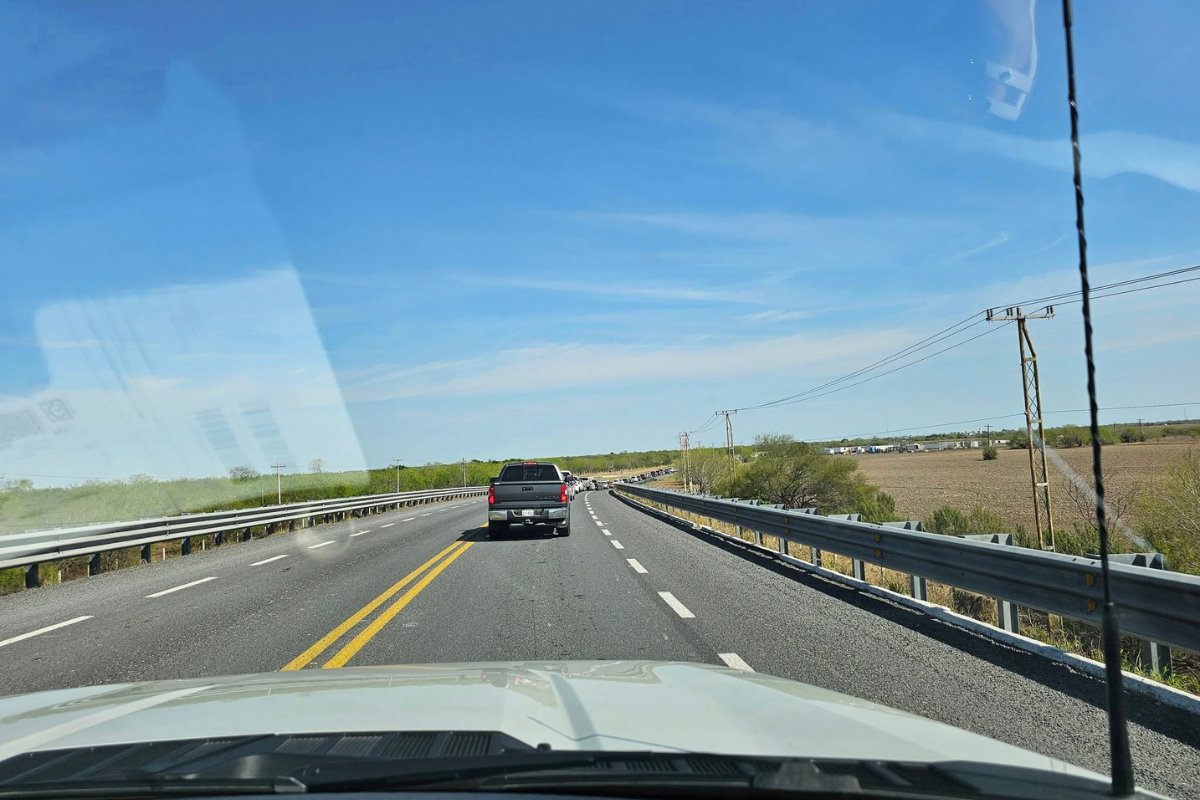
(526, 473)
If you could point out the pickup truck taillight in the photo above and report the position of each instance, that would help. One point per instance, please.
(562, 493)
(492, 495)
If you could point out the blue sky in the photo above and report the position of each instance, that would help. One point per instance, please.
(443, 230)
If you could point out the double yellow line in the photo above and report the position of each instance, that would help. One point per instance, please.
(442, 560)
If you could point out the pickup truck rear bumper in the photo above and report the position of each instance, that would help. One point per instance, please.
(535, 515)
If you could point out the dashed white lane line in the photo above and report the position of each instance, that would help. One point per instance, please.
(426, 514)
(321, 544)
(617, 544)
(40, 631)
(390, 524)
(676, 606)
(637, 566)
(606, 531)
(406, 519)
(359, 533)
(268, 560)
(598, 522)
(735, 661)
(184, 586)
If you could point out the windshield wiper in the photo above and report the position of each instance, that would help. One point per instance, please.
(357, 774)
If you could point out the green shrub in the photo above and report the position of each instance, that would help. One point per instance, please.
(1129, 435)
(1170, 515)
(953, 522)
(990, 453)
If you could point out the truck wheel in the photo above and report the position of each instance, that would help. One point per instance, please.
(497, 529)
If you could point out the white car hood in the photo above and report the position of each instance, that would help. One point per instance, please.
(575, 705)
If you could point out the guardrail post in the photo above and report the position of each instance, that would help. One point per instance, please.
(94, 564)
(147, 555)
(1154, 657)
(920, 588)
(185, 546)
(1006, 615)
(1006, 612)
(758, 538)
(781, 545)
(246, 535)
(33, 578)
(219, 539)
(860, 569)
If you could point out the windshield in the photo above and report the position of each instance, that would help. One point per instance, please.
(288, 284)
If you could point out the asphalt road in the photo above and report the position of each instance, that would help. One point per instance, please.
(426, 584)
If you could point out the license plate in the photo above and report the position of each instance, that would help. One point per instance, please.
(528, 512)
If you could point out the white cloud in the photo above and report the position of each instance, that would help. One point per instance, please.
(610, 288)
(1105, 153)
(525, 370)
(774, 315)
(996, 241)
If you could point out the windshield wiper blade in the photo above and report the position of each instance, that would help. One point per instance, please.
(141, 785)
(374, 773)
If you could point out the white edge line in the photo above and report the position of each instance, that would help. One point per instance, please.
(185, 586)
(606, 531)
(40, 631)
(321, 544)
(617, 544)
(637, 566)
(268, 560)
(735, 661)
(1138, 683)
(676, 606)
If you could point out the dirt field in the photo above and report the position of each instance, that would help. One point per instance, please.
(921, 482)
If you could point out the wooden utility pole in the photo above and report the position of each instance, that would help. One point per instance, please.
(1035, 433)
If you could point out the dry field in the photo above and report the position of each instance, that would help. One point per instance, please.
(922, 482)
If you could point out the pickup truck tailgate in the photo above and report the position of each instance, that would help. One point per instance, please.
(537, 492)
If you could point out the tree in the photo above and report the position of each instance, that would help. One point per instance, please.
(316, 465)
(242, 473)
(796, 475)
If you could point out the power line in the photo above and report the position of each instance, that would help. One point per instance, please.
(893, 370)
(1117, 284)
(928, 341)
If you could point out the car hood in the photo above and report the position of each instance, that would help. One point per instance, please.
(573, 705)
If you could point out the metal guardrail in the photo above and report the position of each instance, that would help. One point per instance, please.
(32, 548)
(1152, 604)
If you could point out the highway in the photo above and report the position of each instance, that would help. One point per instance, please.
(425, 584)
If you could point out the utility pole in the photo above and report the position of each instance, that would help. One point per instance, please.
(278, 483)
(396, 464)
(685, 446)
(989, 434)
(463, 461)
(729, 439)
(1035, 433)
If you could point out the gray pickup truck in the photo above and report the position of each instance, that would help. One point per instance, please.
(529, 493)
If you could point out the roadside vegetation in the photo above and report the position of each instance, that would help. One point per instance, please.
(782, 471)
(24, 507)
